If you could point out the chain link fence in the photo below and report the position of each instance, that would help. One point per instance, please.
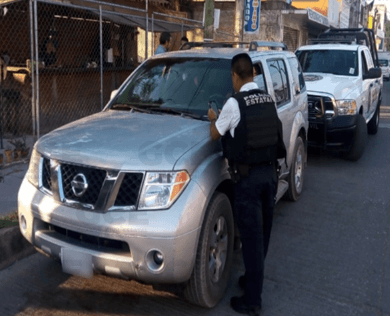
(15, 80)
(60, 61)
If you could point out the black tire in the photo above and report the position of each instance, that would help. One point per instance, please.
(207, 284)
(373, 124)
(359, 140)
(297, 171)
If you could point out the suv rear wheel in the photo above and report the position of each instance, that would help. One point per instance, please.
(295, 178)
(214, 255)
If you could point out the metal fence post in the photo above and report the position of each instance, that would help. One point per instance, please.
(146, 31)
(32, 69)
(152, 34)
(36, 64)
(101, 57)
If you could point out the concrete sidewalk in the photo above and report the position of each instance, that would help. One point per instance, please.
(10, 180)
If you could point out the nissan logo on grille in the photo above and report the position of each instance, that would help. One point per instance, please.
(79, 185)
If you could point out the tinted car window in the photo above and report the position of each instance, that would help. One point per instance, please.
(185, 84)
(297, 74)
(338, 62)
(280, 83)
(383, 62)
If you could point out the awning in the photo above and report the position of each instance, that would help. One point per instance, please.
(157, 25)
(316, 22)
(132, 19)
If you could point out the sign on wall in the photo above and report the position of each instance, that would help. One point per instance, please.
(252, 16)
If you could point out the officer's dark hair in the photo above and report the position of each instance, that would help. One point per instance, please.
(184, 39)
(165, 37)
(242, 66)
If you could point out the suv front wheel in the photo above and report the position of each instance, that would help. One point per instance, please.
(214, 255)
(359, 141)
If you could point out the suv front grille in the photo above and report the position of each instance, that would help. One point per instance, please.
(318, 106)
(129, 190)
(95, 178)
(46, 174)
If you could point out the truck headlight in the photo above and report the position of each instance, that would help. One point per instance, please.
(161, 189)
(346, 107)
(33, 168)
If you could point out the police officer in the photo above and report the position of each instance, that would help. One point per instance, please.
(252, 142)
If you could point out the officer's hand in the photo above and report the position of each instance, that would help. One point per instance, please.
(212, 115)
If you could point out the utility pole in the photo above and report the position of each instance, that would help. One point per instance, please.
(239, 20)
(208, 19)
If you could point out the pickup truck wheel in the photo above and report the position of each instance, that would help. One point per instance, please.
(372, 126)
(359, 141)
(295, 178)
(214, 255)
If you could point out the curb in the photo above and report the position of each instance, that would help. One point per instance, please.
(13, 246)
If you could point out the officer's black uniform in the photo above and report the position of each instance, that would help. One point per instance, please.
(252, 156)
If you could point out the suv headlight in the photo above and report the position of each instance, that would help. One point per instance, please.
(161, 189)
(346, 107)
(33, 168)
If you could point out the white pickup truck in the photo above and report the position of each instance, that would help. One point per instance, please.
(344, 84)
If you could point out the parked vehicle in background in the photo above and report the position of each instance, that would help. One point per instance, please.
(344, 82)
(384, 63)
(140, 191)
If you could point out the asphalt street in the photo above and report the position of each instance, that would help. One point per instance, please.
(329, 253)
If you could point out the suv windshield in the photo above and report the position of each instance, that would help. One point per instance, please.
(337, 62)
(383, 62)
(183, 84)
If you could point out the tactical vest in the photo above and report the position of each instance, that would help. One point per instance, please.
(258, 137)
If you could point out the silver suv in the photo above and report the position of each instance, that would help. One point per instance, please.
(139, 190)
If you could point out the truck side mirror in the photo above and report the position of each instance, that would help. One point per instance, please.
(373, 73)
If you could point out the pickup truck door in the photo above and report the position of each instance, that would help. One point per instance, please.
(371, 86)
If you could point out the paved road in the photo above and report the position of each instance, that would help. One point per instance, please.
(329, 254)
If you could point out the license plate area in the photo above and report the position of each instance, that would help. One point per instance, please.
(314, 126)
(76, 263)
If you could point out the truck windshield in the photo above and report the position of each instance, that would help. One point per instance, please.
(182, 84)
(337, 62)
(383, 62)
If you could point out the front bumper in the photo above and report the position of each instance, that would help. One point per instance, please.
(332, 133)
(119, 243)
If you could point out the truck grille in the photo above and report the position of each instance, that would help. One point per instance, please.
(95, 178)
(46, 174)
(129, 190)
(318, 106)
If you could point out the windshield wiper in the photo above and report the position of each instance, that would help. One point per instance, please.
(130, 107)
(177, 111)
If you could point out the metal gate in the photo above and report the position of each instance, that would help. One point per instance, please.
(291, 38)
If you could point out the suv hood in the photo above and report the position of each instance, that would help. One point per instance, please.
(338, 86)
(124, 141)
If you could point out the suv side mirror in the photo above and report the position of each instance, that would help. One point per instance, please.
(373, 73)
(113, 93)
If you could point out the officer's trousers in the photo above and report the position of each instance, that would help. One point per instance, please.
(254, 200)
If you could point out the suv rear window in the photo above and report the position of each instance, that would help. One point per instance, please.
(383, 62)
(337, 62)
(181, 83)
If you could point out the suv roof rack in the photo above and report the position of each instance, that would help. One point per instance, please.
(255, 44)
(190, 45)
(353, 35)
